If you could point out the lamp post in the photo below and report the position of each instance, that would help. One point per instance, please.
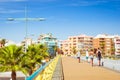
(26, 19)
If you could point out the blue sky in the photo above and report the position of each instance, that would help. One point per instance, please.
(63, 18)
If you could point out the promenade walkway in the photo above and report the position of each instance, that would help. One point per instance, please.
(84, 71)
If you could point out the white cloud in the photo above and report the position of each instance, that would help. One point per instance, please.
(10, 11)
(45, 0)
(12, 0)
(90, 2)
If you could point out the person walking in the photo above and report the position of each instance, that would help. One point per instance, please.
(91, 55)
(78, 56)
(99, 56)
(87, 55)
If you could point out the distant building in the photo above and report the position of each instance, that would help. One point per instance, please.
(26, 42)
(117, 44)
(50, 41)
(105, 43)
(5, 42)
(65, 46)
(80, 42)
(10, 42)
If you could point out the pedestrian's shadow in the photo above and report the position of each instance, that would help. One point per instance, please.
(96, 65)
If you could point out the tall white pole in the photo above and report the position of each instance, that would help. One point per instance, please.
(26, 24)
(26, 20)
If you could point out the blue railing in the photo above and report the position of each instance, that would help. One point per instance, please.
(38, 71)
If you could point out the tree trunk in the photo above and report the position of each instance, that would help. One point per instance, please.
(13, 75)
(30, 72)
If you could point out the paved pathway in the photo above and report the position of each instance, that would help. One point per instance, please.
(84, 71)
(58, 74)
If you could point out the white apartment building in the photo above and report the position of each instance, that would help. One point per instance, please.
(117, 44)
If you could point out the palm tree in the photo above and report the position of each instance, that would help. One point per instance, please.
(74, 50)
(112, 50)
(10, 60)
(3, 41)
(34, 55)
(43, 50)
(54, 49)
(102, 46)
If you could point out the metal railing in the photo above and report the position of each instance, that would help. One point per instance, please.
(45, 72)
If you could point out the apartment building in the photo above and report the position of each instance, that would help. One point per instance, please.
(117, 44)
(50, 41)
(25, 43)
(5, 42)
(47, 39)
(74, 43)
(105, 43)
(65, 46)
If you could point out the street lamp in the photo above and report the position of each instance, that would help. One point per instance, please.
(26, 19)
